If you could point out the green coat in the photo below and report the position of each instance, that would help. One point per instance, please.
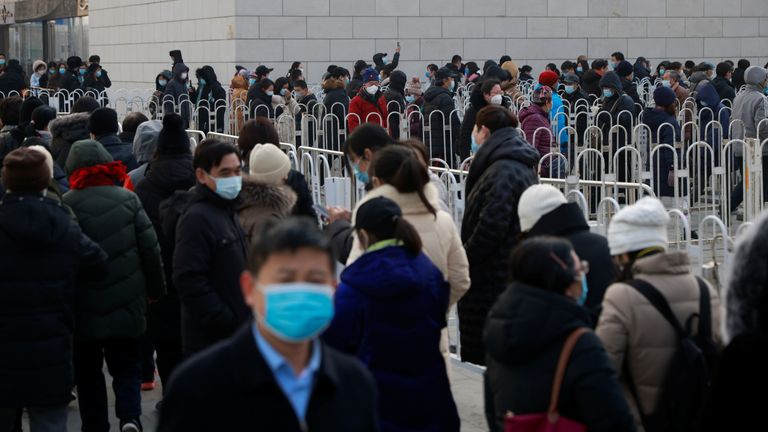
(114, 218)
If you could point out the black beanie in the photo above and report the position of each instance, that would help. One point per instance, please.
(29, 105)
(74, 62)
(173, 138)
(103, 121)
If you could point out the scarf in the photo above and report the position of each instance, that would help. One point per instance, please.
(108, 174)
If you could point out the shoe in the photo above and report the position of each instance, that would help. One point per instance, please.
(130, 426)
(148, 386)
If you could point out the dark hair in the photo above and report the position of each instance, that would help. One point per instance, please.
(265, 83)
(722, 69)
(289, 235)
(294, 75)
(281, 82)
(43, 115)
(689, 64)
(504, 59)
(618, 55)
(539, 262)
(567, 65)
(300, 84)
(495, 117)
(433, 67)
(744, 63)
(526, 68)
(27, 107)
(488, 85)
(367, 136)
(210, 155)
(417, 147)
(94, 59)
(455, 58)
(132, 121)
(10, 109)
(85, 104)
(257, 131)
(553, 68)
(674, 65)
(398, 166)
(295, 65)
(730, 62)
(599, 63)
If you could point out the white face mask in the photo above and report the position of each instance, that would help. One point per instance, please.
(184, 75)
(372, 89)
(497, 100)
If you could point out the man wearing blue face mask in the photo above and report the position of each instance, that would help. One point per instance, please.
(275, 374)
(578, 105)
(380, 60)
(210, 251)
(616, 109)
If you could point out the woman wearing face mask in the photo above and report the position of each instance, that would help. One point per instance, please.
(51, 79)
(161, 81)
(287, 103)
(414, 101)
(486, 93)
(260, 99)
(370, 105)
(239, 86)
(578, 104)
(210, 96)
(38, 72)
(503, 168)
(525, 334)
(396, 101)
(534, 120)
(177, 93)
(92, 80)
(471, 73)
(390, 310)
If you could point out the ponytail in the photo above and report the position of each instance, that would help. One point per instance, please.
(398, 166)
(406, 234)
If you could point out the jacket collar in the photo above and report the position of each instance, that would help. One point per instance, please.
(109, 140)
(409, 203)
(667, 263)
(205, 194)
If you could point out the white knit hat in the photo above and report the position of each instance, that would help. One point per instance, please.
(537, 201)
(639, 226)
(269, 164)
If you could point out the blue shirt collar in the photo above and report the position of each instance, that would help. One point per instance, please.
(276, 361)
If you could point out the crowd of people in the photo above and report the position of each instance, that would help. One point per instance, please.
(74, 74)
(211, 265)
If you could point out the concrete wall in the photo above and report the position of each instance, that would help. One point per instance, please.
(133, 37)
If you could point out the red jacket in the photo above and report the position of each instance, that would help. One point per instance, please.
(362, 106)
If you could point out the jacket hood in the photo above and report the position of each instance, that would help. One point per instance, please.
(73, 127)
(168, 75)
(207, 73)
(145, 140)
(532, 111)
(611, 79)
(434, 92)
(590, 77)
(239, 82)
(526, 321)
(397, 81)
(565, 219)
(333, 84)
(33, 221)
(387, 273)
(698, 76)
(504, 144)
(656, 117)
(278, 198)
(178, 69)
(171, 173)
(86, 153)
(377, 59)
(707, 96)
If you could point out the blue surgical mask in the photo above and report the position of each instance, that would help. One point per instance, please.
(51, 71)
(584, 291)
(361, 176)
(283, 92)
(62, 71)
(662, 72)
(570, 89)
(270, 93)
(297, 312)
(765, 90)
(475, 146)
(251, 81)
(201, 81)
(466, 72)
(228, 187)
(98, 74)
(426, 74)
(384, 60)
(2, 62)
(666, 83)
(82, 72)
(162, 82)
(579, 69)
(607, 93)
(410, 99)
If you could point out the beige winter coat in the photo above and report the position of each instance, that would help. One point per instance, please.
(629, 325)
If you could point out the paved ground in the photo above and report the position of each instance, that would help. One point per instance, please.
(467, 390)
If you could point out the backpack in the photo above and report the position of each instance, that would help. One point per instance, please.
(688, 379)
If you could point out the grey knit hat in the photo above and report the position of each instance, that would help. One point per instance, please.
(755, 75)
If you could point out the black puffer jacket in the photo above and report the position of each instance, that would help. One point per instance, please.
(165, 176)
(567, 221)
(42, 253)
(177, 94)
(477, 102)
(65, 131)
(119, 150)
(725, 89)
(336, 102)
(503, 168)
(208, 258)
(590, 82)
(260, 103)
(439, 100)
(395, 96)
(12, 79)
(304, 204)
(114, 217)
(621, 109)
(525, 333)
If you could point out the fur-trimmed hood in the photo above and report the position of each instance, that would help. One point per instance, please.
(745, 294)
(261, 203)
(409, 203)
(73, 127)
(333, 84)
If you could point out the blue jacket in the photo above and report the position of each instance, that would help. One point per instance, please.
(707, 97)
(663, 161)
(390, 310)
